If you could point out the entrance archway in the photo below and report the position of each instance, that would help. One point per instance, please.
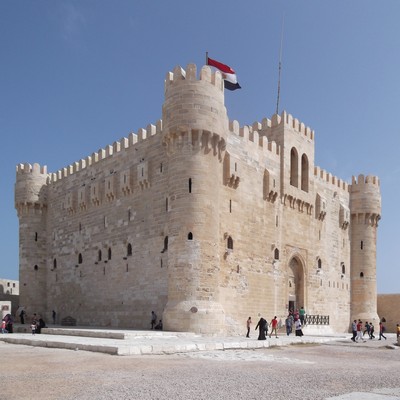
(295, 283)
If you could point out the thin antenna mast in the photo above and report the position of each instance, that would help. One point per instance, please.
(280, 67)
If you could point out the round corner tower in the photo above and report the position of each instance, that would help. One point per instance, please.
(195, 128)
(31, 206)
(365, 208)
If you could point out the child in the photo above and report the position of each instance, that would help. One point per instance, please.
(3, 326)
(33, 327)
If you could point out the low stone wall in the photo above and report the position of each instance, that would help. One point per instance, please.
(389, 308)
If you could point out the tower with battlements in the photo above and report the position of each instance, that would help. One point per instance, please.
(31, 205)
(200, 219)
(365, 207)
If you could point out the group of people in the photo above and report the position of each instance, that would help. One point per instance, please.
(359, 330)
(154, 325)
(37, 324)
(296, 319)
(293, 319)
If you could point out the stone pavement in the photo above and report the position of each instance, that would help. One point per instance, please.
(133, 342)
(130, 342)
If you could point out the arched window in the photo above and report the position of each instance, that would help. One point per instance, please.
(80, 259)
(276, 254)
(343, 269)
(129, 250)
(190, 236)
(109, 253)
(229, 244)
(35, 267)
(304, 173)
(361, 274)
(55, 263)
(99, 255)
(294, 168)
(319, 263)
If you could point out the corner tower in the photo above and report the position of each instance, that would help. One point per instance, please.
(195, 128)
(365, 208)
(31, 206)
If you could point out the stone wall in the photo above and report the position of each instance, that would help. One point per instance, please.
(389, 308)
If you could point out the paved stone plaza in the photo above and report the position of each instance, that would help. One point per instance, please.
(335, 369)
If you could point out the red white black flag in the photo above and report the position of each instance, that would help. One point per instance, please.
(228, 74)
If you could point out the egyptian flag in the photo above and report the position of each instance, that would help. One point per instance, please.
(228, 74)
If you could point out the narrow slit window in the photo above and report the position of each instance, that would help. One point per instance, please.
(166, 243)
(80, 258)
(109, 253)
(129, 250)
(230, 243)
(190, 185)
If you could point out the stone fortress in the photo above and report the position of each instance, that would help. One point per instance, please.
(200, 219)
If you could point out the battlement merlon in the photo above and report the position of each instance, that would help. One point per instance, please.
(365, 196)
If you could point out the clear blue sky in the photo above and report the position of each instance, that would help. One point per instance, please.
(76, 76)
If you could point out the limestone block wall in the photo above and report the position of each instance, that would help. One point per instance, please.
(388, 308)
(105, 263)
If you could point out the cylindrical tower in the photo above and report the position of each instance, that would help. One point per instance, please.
(195, 127)
(31, 206)
(365, 208)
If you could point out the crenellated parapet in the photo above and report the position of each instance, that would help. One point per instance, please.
(133, 139)
(365, 199)
(180, 75)
(30, 187)
(285, 120)
(251, 135)
(330, 179)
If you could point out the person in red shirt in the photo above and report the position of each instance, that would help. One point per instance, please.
(274, 327)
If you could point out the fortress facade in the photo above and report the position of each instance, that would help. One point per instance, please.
(200, 219)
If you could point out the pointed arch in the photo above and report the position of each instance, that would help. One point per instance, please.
(296, 278)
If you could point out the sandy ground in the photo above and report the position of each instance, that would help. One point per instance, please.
(291, 372)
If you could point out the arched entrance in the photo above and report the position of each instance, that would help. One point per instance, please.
(295, 283)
